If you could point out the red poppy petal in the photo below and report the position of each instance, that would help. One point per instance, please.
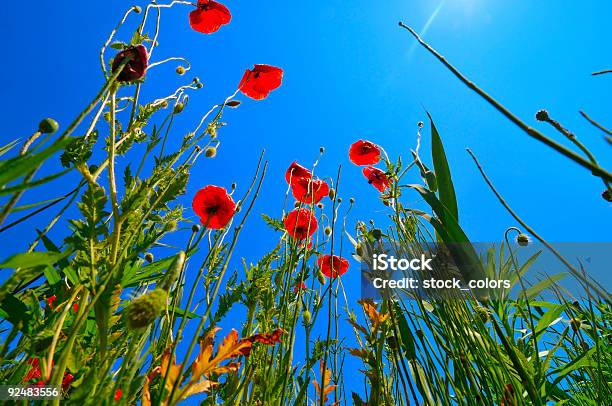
(260, 81)
(364, 153)
(295, 172)
(209, 17)
(214, 206)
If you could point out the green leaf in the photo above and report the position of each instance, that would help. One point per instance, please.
(407, 339)
(33, 259)
(29, 185)
(182, 312)
(446, 190)
(14, 168)
(8, 147)
(536, 289)
(275, 224)
(549, 318)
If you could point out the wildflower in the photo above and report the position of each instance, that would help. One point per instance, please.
(214, 206)
(145, 310)
(135, 68)
(300, 223)
(118, 394)
(48, 126)
(209, 16)
(523, 240)
(66, 381)
(259, 82)
(299, 287)
(295, 172)
(309, 191)
(50, 300)
(332, 266)
(364, 152)
(376, 177)
(34, 372)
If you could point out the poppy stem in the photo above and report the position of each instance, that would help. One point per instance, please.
(112, 181)
(595, 169)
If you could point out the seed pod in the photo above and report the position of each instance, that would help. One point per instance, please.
(48, 126)
(178, 108)
(145, 310)
(210, 152)
(306, 317)
(173, 271)
(522, 240)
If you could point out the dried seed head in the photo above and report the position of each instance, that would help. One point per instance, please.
(328, 230)
(306, 317)
(607, 195)
(149, 257)
(180, 70)
(145, 310)
(178, 107)
(523, 240)
(48, 126)
(210, 152)
(542, 115)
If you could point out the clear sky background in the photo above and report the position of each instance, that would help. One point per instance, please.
(350, 73)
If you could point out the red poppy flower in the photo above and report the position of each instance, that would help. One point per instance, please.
(118, 394)
(376, 177)
(34, 372)
(259, 82)
(296, 172)
(299, 287)
(50, 301)
(209, 16)
(364, 153)
(309, 191)
(66, 381)
(300, 223)
(214, 206)
(332, 266)
(136, 67)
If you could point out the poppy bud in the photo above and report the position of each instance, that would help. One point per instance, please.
(135, 67)
(234, 186)
(332, 194)
(195, 228)
(392, 342)
(296, 204)
(197, 148)
(180, 70)
(360, 250)
(542, 115)
(420, 124)
(171, 225)
(199, 85)
(339, 200)
(322, 150)
(522, 240)
(607, 195)
(352, 200)
(149, 257)
(233, 103)
(107, 116)
(178, 108)
(210, 152)
(306, 317)
(575, 323)
(377, 234)
(137, 9)
(321, 278)
(328, 230)
(173, 271)
(48, 126)
(144, 310)
(164, 104)
(320, 205)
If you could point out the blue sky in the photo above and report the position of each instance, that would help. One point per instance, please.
(350, 73)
